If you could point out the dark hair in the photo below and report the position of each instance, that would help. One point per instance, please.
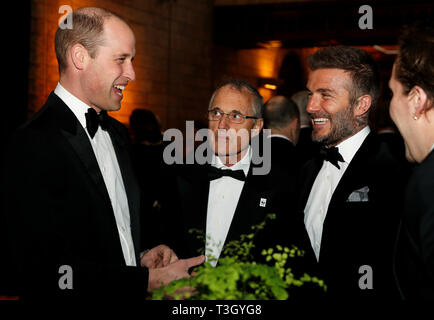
(145, 126)
(87, 29)
(240, 85)
(358, 63)
(280, 111)
(415, 62)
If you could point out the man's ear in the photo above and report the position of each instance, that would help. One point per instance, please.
(364, 102)
(418, 101)
(259, 124)
(79, 56)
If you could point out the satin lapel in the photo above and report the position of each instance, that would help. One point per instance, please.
(72, 130)
(355, 177)
(248, 211)
(194, 190)
(120, 145)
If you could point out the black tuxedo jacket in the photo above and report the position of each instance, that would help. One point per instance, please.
(414, 257)
(357, 234)
(188, 204)
(285, 164)
(306, 148)
(285, 168)
(58, 211)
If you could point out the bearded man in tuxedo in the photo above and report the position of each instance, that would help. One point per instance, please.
(350, 194)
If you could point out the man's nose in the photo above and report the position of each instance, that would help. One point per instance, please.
(129, 72)
(313, 104)
(223, 122)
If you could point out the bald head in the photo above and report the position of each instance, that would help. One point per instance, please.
(281, 115)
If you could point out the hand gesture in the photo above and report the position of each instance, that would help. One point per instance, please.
(158, 257)
(173, 271)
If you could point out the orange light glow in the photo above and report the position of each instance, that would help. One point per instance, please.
(270, 86)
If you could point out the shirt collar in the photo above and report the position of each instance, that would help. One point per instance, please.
(243, 164)
(349, 147)
(279, 136)
(78, 107)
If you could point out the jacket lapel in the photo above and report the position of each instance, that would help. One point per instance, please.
(76, 136)
(252, 205)
(120, 145)
(310, 172)
(355, 177)
(74, 133)
(193, 186)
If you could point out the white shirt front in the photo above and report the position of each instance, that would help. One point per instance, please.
(324, 186)
(109, 167)
(223, 197)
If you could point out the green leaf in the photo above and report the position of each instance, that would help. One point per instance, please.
(237, 276)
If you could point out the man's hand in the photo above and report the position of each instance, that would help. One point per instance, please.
(158, 257)
(174, 271)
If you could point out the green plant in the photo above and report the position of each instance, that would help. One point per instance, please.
(237, 277)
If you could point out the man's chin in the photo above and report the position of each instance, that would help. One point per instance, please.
(113, 105)
(319, 138)
(110, 108)
(225, 153)
(114, 108)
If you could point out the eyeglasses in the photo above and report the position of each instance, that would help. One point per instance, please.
(233, 116)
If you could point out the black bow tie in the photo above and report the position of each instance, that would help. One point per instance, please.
(214, 173)
(94, 120)
(331, 155)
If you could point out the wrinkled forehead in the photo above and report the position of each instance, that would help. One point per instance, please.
(230, 98)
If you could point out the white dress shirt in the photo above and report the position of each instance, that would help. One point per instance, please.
(223, 197)
(324, 186)
(109, 167)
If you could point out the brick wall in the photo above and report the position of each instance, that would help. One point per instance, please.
(173, 62)
(250, 2)
(257, 63)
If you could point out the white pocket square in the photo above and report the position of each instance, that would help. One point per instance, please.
(360, 195)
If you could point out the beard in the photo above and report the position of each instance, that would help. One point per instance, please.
(342, 123)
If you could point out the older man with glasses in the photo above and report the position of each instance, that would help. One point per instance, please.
(226, 196)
